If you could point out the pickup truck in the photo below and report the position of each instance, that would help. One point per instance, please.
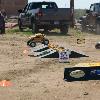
(45, 15)
(91, 21)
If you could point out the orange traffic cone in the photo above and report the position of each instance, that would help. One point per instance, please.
(5, 83)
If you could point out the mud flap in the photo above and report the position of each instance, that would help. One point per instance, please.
(82, 73)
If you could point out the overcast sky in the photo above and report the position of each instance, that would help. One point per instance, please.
(78, 3)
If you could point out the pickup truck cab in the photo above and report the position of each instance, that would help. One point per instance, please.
(44, 15)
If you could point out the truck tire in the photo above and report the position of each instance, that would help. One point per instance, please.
(34, 28)
(84, 25)
(28, 42)
(97, 28)
(46, 30)
(20, 25)
(64, 30)
(84, 28)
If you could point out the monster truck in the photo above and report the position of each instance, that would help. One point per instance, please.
(37, 38)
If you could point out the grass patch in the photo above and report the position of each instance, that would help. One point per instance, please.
(27, 31)
(17, 31)
(78, 33)
(11, 31)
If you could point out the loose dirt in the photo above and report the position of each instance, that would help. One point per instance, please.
(42, 79)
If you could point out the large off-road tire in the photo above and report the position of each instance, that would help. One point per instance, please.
(64, 29)
(20, 25)
(84, 24)
(97, 28)
(28, 42)
(34, 28)
(46, 42)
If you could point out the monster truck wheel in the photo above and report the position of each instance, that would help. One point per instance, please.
(20, 25)
(34, 28)
(97, 28)
(97, 46)
(46, 42)
(32, 44)
(64, 30)
(28, 43)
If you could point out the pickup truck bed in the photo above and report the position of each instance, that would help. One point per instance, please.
(56, 14)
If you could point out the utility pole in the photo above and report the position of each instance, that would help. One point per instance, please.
(72, 12)
(0, 4)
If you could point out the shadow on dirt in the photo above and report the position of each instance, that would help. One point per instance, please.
(89, 31)
(29, 32)
(17, 73)
(48, 33)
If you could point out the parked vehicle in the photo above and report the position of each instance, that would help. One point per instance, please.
(45, 15)
(92, 18)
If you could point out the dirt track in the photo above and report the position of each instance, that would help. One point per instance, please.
(42, 79)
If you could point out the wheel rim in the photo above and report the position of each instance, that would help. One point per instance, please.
(32, 44)
(46, 42)
(77, 74)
